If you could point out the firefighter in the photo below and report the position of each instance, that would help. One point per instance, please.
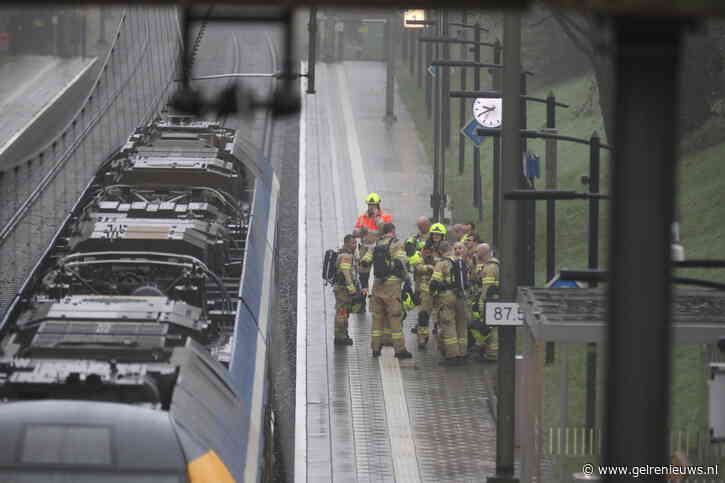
(345, 290)
(490, 286)
(387, 259)
(448, 289)
(422, 276)
(421, 237)
(461, 254)
(469, 231)
(455, 233)
(367, 228)
(476, 329)
(471, 242)
(436, 235)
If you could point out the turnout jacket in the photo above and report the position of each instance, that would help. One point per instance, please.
(346, 269)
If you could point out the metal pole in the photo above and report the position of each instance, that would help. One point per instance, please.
(390, 65)
(329, 39)
(594, 152)
(551, 183)
(529, 206)
(643, 188)
(436, 201)
(83, 26)
(512, 256)
(405, 44)
(462, 114)
(591, 364)
(411, 54)
(311, 57)
(440, 86)
(496, 195)
(340, 43)
(428, 78)
(446, 86)
(420, 56)
(102, 26)
(476, 149)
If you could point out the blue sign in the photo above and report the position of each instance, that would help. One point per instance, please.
(565, 284)
(556, 282)
(470, 132)
(433, 70)
(532, 165)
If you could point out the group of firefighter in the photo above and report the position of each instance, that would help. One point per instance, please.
(445, 272)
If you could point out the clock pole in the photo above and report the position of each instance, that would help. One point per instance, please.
(462, 34)
(496, 195)
(476, 149)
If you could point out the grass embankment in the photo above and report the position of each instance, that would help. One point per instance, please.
(701, 211)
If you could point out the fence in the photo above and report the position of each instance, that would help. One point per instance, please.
(565, 449)
(134, 82)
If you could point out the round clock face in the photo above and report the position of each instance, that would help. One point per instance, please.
(487, 112)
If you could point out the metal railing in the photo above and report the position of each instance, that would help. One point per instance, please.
(581, 441)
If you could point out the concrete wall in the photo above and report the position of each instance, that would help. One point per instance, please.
(51, 119)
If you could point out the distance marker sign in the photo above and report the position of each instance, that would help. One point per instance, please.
(504, 313)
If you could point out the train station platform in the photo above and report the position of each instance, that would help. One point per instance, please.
(38, 96)
(361, 418)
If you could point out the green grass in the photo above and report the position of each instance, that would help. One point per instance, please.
(700, 203)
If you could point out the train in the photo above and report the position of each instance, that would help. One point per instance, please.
(134, 351)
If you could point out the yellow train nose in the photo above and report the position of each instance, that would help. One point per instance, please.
(208, 468)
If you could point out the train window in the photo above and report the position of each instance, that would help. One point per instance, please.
(64, 476)
(66, 444)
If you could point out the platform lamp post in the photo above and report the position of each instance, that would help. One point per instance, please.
(390, 70)
(436, 198)
(312, 44)
(445, 87)
(102, 13)
(551, 182)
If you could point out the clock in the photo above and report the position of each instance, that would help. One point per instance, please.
(487, 112)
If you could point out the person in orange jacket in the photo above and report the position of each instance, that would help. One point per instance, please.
(368, 228)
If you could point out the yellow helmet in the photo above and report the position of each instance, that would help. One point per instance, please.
(373, 198)
(438, 228)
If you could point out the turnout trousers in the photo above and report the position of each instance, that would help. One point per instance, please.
(425, 312)
(452, 325)
(387, 312)
(343, 303)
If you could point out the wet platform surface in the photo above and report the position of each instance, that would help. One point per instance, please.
(28, 85)
(375, 419)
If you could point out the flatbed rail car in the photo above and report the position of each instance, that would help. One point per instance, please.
(129, 319)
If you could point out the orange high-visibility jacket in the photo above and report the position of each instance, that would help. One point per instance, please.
(369, 221)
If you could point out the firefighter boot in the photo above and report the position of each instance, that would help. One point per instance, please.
(423, 323)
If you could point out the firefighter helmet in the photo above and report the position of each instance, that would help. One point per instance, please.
(438, 228)
(373, 199)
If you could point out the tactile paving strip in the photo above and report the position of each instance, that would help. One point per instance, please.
(454, 432)
(372, 441)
